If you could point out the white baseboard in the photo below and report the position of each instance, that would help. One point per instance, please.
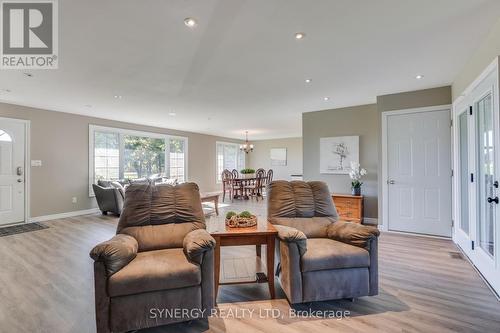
(382, 227)
(370, 220)
(64, 215)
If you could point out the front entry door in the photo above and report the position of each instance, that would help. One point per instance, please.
(12, 171)
(419, 172)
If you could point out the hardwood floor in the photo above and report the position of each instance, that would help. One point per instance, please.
(46, 283)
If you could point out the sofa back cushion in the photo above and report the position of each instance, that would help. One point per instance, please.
(159, 216)
(306, 206)
(299, 199)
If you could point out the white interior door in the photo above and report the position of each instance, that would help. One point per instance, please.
(12, 171)
(419, 172)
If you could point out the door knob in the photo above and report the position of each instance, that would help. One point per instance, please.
(19, 180)
(495, 200)
(391, 182)
(19, 171)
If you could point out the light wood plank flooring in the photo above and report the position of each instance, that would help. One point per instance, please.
(46, 284)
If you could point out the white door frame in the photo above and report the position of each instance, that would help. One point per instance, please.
(384, 226)
(27, 166)
(478, 257)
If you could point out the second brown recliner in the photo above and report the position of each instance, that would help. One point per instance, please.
(320, 257)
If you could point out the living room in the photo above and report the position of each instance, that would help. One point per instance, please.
(222, 166)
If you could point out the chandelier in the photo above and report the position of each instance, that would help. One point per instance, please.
(246, 147)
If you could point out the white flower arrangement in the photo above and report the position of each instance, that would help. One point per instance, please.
(356, 173)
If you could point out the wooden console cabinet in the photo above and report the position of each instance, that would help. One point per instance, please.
(349, 207)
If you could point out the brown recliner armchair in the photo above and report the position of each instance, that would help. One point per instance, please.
(320, 258)
(160, 260)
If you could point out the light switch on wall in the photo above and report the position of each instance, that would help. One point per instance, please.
(74, 200)
(36, 163)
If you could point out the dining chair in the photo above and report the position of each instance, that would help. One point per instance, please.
(227, 184)
(267, 180)
(235, 173)
(255, 188)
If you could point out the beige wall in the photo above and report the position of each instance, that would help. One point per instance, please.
(359, 120)
(60, 140)
(260, 157)
(365, 121)
(482, 57)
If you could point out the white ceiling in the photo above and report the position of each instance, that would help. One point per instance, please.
(241, 68)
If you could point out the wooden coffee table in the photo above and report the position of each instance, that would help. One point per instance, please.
(262, 233)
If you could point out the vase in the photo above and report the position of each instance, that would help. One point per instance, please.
(356, 191)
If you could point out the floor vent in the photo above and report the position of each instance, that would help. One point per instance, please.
(22, 228)
(456, 255)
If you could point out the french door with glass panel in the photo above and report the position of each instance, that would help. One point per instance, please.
(477, 209)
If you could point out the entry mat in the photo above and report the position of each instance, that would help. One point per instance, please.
(19, 229)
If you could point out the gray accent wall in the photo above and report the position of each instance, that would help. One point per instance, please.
(365, 121)
(61, 141)
(358, 120)
(260, 157)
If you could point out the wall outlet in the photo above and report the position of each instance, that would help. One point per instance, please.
(74, 200)
(36, 163)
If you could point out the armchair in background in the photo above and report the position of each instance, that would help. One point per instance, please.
(110, 196)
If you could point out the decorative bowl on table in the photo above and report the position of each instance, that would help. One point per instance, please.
(243, 220)
(247, 173)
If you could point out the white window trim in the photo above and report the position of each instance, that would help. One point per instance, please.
(237, 145)
(94, 128)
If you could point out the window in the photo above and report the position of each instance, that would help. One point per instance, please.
(229, 157)
(177, 160)
(106, 156)
(125, 154)
(143, 157)
(4, 136)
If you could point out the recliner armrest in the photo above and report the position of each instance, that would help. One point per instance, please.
(115, 253)
(292, 235)
(196, 243)
(353, 233)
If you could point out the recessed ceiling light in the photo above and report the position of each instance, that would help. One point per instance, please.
(190, 22)
(419, 77)
(172, 114)
(308, 80)
(326, 98)
(28, 74)
(118, 96)
(300, 35)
